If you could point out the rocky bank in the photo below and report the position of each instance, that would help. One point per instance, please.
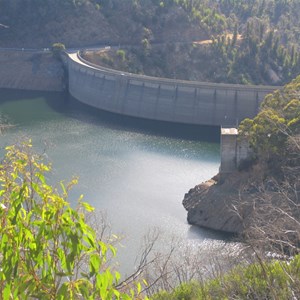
(221, 204)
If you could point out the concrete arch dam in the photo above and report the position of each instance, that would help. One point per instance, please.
(163, 99)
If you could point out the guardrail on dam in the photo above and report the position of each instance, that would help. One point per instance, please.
(163, 99)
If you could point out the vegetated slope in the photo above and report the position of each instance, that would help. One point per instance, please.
(256, 42)
(253, 41)
(259, 280)
(39, 23)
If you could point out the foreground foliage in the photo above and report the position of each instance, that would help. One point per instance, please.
(47, 250)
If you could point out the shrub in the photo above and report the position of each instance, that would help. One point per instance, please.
(121, 54)
(264, 280)
(57, 48)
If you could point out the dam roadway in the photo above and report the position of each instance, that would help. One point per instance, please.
(162, 99)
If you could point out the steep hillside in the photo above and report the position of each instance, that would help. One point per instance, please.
(253, 42)
(34, 23)
(41, 23)
(248, 42)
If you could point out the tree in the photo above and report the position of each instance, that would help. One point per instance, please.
(121, 54)
(47, 250)
(276, 123)
(57, 48)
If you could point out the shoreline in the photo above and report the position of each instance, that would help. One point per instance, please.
(214, 204)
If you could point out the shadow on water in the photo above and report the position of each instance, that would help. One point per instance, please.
(64, 103)
(196, 232)
(159, 128)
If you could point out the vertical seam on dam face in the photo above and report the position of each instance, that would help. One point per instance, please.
(126, 93)
(257, 103)
(214, 111)
(157, 101)
(163, 99)
(195, 105)
(141, 98)
(236, 107)
(175, 102)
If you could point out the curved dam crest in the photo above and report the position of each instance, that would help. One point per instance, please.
(163, 99)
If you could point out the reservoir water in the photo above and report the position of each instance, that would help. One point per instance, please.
(136, 171)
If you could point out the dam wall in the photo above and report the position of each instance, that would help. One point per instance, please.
(35, 70)
(163, 99)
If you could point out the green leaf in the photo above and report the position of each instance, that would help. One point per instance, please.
(95, 262)
(87, 206)
(145, 282)
(113, 250)
(116, 293)
(62, 293)
(117, 276)
(6, 292)
(63, 187)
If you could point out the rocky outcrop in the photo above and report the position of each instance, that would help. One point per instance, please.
(215, 204)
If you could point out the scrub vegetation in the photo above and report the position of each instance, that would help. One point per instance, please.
(264, 280)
